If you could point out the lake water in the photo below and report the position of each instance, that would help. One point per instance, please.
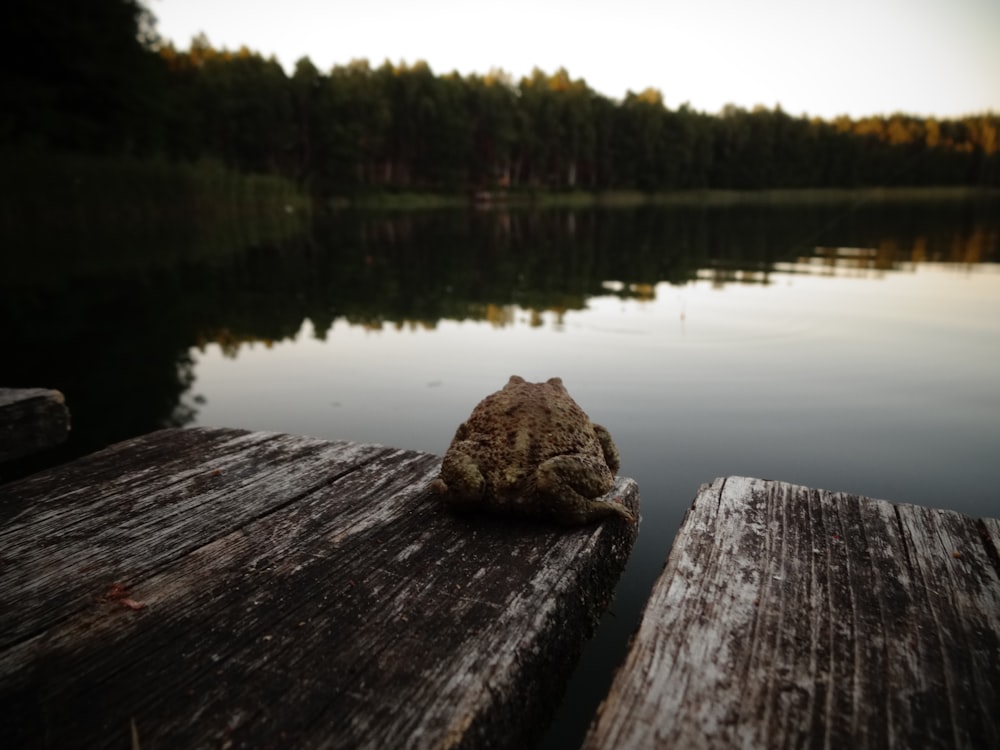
(843, 347)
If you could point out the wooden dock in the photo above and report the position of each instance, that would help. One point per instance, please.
(224, 588)
(789, 617)
(31, 420)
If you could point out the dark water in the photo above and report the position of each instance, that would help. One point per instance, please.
(845, 347)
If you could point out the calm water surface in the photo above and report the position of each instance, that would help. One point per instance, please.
(844, 348)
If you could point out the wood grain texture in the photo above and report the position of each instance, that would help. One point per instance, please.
(31, 420)
(230, 588)
(793, 617)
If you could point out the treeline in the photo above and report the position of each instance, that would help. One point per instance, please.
(359, 128)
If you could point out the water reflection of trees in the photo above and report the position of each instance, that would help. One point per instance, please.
(117, 340)
(421, 268)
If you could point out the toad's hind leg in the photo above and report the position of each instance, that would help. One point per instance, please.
(461, 485)
(611, 456)
(571, 486)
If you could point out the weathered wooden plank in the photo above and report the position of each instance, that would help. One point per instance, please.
(31, 419)
(791, 617)
(153, 500)
(231, 588)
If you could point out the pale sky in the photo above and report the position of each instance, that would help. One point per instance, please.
(856, 57)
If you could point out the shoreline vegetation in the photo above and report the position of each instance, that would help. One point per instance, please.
(92, 213)
(396, 134)
(541, 199)
(121, 188)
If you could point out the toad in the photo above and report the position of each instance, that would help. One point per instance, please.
(530, 450)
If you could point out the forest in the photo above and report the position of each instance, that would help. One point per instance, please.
(102, 82)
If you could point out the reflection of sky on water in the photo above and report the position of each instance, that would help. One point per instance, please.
(883, 386)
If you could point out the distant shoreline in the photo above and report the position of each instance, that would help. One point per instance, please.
(487, 200)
